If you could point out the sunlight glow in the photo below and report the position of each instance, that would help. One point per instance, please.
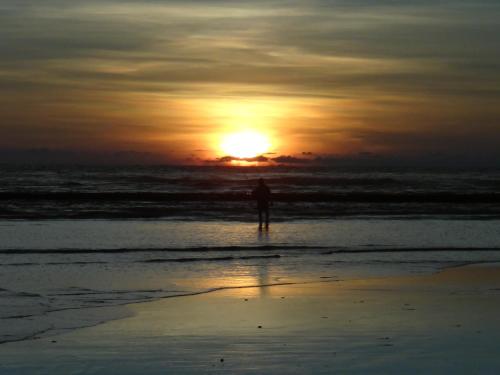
(246, 144)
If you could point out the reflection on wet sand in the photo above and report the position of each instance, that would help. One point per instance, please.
(441, 323)
(263, 270)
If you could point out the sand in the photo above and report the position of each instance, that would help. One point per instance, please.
(442, 323)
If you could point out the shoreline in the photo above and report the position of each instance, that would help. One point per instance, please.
(414, 324)
(100, 283)
(119, 311)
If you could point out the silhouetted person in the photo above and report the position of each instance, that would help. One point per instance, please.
(262, 194)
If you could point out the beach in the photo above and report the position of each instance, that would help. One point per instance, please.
(164, 270)
(55, 272)
(444, 322)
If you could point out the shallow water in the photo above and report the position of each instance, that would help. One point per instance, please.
(70, 265)
(352, 234)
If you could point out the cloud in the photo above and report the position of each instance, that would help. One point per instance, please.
(385, 76)
(287, 159)
(228, 159)
(282, 159)
(44, 156)
(347, 46)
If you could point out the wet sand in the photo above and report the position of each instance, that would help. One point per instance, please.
(442, 323)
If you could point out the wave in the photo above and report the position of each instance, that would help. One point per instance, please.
(359, 197)
(213, 180)
(325, 250)
(228, 258)
(75, 299)
(439, 262)
(160, 250)
(75, 291)
(335, 181)
(25, 264)
(411, 249)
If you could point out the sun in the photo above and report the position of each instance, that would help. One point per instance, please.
(246, 144)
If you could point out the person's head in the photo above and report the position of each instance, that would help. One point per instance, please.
(261, 182)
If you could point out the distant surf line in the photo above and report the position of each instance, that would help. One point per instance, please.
(327, 249)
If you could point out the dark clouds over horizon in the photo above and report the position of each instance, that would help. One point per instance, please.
(333, 77)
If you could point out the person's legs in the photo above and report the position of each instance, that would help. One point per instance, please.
(260, 218)
(267, 218)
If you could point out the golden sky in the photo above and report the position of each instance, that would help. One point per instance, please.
(174, 78)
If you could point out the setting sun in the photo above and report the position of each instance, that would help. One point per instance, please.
(246, 144)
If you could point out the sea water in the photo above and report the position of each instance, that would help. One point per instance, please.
(79, 255)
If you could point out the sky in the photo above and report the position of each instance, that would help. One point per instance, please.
(168, 80)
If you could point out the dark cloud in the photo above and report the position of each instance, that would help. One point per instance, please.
(287, 159)
(229, 159)
(282, 159)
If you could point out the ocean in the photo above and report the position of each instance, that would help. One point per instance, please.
(222, 193)
(78, 240)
